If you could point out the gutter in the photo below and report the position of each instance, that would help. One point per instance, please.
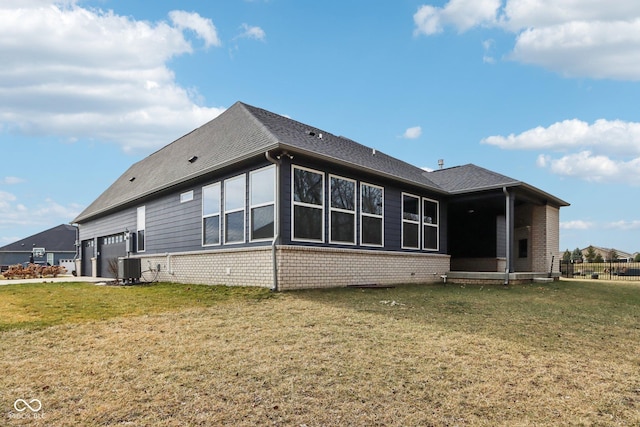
(276, 222)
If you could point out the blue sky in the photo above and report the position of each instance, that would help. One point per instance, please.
(538, 90)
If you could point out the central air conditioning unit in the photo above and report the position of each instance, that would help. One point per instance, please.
(129, 270)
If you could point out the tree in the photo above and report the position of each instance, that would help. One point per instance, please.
(591, 254)
(598, 258)
(576, 255)
(613, 255)
(566, 256)
(637, 258)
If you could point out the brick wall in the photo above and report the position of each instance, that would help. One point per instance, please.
(298, 267)
(231, 267)
(305, 267)
(545, 238)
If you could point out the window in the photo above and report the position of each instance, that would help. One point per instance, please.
(308, 204)
(141, 220)
(186, 196)
(523, 246)
(371, 215)
(342, 217)
(410, 221)
(430, 224)
(262, 195)
(234, 202)
(211, 214)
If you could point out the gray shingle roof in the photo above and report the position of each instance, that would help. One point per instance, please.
(61, 238)
(470, 178)
(242, 132)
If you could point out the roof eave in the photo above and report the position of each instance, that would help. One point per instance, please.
(542, 194)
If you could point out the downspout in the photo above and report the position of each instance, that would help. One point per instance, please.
(276, 222)
(507, 268)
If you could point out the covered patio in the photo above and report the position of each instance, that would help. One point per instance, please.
(505, 234)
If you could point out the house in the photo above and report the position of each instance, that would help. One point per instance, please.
(255, 198)
(607, 253)
(51, 246)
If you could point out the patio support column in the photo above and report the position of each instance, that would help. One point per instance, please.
(509, 224)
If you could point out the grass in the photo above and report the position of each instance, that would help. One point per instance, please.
(565, 353)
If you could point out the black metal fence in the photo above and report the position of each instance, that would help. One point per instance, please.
(613, 270)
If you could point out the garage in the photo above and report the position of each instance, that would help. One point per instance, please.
(110, 248)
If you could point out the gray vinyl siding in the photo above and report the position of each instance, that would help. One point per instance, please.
(112, 224)
(172, 226)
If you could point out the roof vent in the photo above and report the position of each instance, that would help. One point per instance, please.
(192, 159)
(311, 133)
(441, 163)
(133, 178)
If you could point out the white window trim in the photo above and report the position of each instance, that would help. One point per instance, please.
(260, 205)
(243, 209)
(187, 196)
(141, 225)
(436, 225)
(219, 214)
(418, 222)
(308, 205)
(363, 214)
(352, 212)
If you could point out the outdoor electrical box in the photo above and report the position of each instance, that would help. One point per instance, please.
(129, 270)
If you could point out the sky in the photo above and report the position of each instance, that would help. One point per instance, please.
(543, 91)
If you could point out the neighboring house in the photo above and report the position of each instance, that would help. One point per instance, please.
(606, 253)
(255, 198)
(57, 244)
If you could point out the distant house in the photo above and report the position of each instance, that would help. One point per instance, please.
(606, 253)
(255, 198)
(52, 246)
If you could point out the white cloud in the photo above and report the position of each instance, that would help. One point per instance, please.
(462, 14)
(605, 151)
(586, 38)
(611, 136)
(11, 180)
(576, 225)
(251, 32)
(77, 73)
(624, 225)
(412, 132)
(203, 27)
(13, 213)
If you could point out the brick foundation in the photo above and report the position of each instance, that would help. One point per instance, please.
(298, 267)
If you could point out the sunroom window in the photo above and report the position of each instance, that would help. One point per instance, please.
(342, 210)
(410, 221)
(211, 214)
(429, 224)
(371, 215)
(262, 195)
(234, 209)
(308, 204)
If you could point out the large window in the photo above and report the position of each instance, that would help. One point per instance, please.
(342, 210)
(141, 226)
(410, 221)
(234, 202)
(371, 215)
(211, 214)
(308, 204)
(430, 224)
(262, 195)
